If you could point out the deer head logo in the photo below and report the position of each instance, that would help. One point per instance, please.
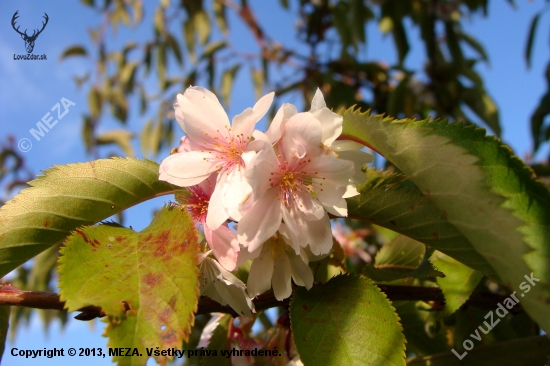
(29, 40)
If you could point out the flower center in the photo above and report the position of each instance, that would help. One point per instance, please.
(276, 246)
(197, 204)
(228, 150)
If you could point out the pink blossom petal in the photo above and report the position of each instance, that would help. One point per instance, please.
(204, 117)
(275, 130)
(312, 209)
(331, 168)
(186, 144)
(236, 191)
(302, 129)
(287, 237)
(331, 192)
(216, 214)
(245, 122)
(209, 184)
(261, 272)
(295, 228)
(320, 236)
(331, 124)
(224, 245)
(186, 169)
(261, 221)
(245, 255)
(359, 159)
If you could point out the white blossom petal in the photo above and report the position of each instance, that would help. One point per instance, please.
(318, 101)
(187, 168)
(224, 244)
(331, 124)
(261, 221)
(301, 273)
(282, 285)
(203, 115)
(275, 130)
(339, 209)
(244, 123)
(223, 287)
(302, 130)
(261, 272)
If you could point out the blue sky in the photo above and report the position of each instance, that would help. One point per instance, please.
(30, 89)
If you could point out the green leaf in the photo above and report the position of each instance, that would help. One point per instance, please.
(212, 48)
(391, 201)
(146, 282)
(484, 191)
(531, 38)
(400, 39)
(537, 119)
(423, 330)
(472, 42)
(159, 20)
(68, 197)
(258, 80)
(218, 342)
(202, 26)
(459, 282)
(73, 51)
(4, 325)
(520, 352)
(401, 258)
(175, 47)
(508, 176)
(123, 138)
(145, 137)
(95, 102)
(482, 105)
(227, 83)
(347, 321)
(219, 14)
(189, 35)
(161, 64)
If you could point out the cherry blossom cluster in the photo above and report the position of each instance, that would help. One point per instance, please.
(278, 186)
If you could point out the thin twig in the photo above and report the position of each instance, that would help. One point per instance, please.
(10, 295)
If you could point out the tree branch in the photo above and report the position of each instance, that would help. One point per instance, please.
(13, 296)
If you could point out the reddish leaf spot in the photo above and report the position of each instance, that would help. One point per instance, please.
(169, 338)
(428, 193)
(435, 235)
(411, 208)
(445, 213)
(47, 223)
(306, 308)
(150, 279)
(172, 302)
(393, 223)
(162, 239)
(148, 237)
(119, 239)
(95, 243)
(84, 237)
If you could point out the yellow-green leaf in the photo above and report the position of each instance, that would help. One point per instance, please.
(146, 282)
